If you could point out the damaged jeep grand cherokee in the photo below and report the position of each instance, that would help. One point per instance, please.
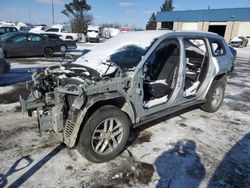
(128, 80)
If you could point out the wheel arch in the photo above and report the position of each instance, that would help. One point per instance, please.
(221, 77)
(92, 105)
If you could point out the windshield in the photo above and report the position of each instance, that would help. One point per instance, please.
(123, 50)
(5, 36)
(128, 57)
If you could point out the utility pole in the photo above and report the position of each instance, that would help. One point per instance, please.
(53, 12)
(30, 16)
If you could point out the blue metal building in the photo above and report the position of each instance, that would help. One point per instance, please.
(229, 22)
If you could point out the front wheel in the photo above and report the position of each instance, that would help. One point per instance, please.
(105, 134)
(215, 97)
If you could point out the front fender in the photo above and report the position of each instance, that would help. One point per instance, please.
(78, 115)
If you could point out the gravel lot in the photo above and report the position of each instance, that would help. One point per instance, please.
(190, 148)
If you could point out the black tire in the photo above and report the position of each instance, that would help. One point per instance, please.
(5, 54)
(86, 143)
(63, 48)
(1, 68)
(7, 69)
(214, 97)
(48, 52)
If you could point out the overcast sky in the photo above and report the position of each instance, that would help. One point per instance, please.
(133, 12)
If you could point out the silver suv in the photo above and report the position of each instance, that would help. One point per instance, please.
(125, 82)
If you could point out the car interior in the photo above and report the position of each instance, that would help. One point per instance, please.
(196, 65)
(161, 73)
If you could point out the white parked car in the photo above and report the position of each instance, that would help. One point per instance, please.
(64, 32)
(110, 32)
(239, 42)
(38, 29)
(93, 34)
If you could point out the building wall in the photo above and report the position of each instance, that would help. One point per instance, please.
(189, 26)
(233, 28)
(244, 29)
(158, 25)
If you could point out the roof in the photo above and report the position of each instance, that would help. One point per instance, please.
(97, 57)
(211, 15)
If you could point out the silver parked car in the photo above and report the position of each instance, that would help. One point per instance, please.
(239, 42)
(125, 82)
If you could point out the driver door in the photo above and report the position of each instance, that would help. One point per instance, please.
(160, 82)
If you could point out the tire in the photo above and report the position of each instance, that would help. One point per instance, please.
(1, 68)
(7, 69)
(63, 48)
(48, 52)
(5, 54)
(91, 148)
(214, 97)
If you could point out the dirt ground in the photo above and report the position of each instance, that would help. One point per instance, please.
(190, 148)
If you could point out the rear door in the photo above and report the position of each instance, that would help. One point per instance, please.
(36, 44)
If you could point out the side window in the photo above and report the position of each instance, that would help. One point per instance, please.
(11, 29)
(2, 30)
(53, 30)
(34, 38)
(164, 60)
(19, 38)
(196, 52)
(217, 47)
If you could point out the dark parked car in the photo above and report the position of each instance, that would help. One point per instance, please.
(27, 44)
(4, 65)
(63, 44)
(7, 29)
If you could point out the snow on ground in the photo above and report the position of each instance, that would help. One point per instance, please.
(5, 89)
(190, 148)
(22, 68)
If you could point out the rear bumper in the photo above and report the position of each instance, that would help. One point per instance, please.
(71, 46)
(91, 39)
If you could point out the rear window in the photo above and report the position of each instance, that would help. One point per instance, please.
(53, 36)
(217, 47)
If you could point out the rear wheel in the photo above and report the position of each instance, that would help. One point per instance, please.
(105, 134)
(215, 97)
(63, 48)
(48, 52)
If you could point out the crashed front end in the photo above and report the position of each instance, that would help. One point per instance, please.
(57, 95)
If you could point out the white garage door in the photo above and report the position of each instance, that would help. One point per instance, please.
(190, 26)
(244, 29)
